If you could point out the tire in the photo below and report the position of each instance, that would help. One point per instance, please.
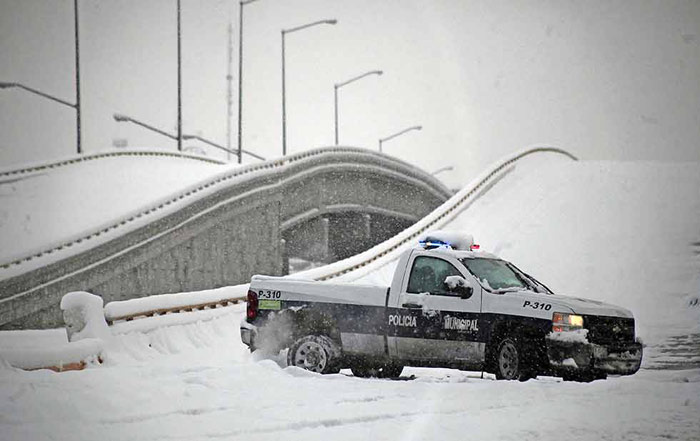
(315, 353)
(387, 371)
(508, 361)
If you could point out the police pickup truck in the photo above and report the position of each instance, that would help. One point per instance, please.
(449, 305)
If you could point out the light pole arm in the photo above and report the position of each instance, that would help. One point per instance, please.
(36, 92)
(213, 144)
(124, 118)
(400, 133)
(316, 23)
(442, 169)
(359, 77)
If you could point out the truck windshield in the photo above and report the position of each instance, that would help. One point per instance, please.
(496, 275)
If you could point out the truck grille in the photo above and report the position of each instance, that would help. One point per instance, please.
(606, 330)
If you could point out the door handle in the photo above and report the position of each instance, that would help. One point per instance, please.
(412, 306)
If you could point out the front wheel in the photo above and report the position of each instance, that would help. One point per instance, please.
(316, 353)
(509, 361)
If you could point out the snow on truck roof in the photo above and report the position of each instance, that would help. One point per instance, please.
(456, 243)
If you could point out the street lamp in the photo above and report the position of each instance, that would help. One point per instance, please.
(382, 140)
(442, 169)
(6, 85)
(240, 82)
(345, 83)
(124, 118)
(76, 106)
(284, 98)
(213, 144)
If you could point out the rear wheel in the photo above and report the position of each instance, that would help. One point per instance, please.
(316, 353)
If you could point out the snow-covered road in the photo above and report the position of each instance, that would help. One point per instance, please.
(197, 382)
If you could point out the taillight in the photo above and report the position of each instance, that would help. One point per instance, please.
(252, 307)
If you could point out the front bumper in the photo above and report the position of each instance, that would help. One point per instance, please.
(616, 359)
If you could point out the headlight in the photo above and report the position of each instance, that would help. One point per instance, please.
(562, 321)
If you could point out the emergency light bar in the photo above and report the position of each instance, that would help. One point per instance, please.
(454, 240)
(432, 244)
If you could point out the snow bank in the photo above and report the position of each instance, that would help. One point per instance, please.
(87, 350)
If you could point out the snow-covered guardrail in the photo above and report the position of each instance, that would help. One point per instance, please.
(164, 304)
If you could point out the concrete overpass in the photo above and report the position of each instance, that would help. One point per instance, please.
(320, 205)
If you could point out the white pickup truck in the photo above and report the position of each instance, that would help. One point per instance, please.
(449, 305)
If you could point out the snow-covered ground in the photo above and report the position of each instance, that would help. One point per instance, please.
(619, 232)
(198, 382)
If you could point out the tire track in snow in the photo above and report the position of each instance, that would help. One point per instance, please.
(677, 352)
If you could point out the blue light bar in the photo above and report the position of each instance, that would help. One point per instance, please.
(431, 244)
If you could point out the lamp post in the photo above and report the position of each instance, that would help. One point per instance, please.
(77, 80)
(6, 85)
(284, 98)
(240, 81)
(442, 169)
(382, 140)
(345, 83)
(179, 80)
(124, 118)
(76, 106)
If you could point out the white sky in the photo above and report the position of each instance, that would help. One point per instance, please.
(612, 79)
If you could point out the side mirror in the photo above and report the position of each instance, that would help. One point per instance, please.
(457, 285)
(464, 291)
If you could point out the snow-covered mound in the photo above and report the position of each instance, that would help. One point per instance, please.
(50, 205)
(196, 381)
(621, 232)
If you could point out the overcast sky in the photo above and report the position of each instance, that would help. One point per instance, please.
(605, 80)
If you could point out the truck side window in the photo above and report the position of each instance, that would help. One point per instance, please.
(428, 275)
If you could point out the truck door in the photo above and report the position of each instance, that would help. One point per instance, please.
(429, 322)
